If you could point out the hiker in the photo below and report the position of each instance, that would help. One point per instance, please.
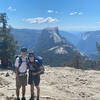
(35, 69)
(21, 73)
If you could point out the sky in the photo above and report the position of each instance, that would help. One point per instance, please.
(73, 15)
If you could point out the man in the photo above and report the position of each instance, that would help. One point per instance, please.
(35, 69)
(21, 76)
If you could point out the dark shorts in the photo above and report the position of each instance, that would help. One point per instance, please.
(22, 81)
(34, 80)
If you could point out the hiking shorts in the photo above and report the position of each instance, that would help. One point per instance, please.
(22, 81)
(34, 80)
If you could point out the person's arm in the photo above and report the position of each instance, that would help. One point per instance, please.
(16, 68)
(40, 70)
(17, 77)
(36, 73)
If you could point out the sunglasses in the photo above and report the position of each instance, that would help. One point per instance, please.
(31, 56)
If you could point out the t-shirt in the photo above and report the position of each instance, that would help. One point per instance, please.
(23, 66)
(34, 66)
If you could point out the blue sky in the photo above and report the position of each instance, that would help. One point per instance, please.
(66, 14)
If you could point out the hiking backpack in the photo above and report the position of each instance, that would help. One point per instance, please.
(40, 60)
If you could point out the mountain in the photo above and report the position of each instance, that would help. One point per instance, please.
(53, 45)
(72, 38)
(53, 48)
(87, 44)
(26, 37)
(31, 36)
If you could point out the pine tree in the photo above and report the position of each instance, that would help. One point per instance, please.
(77, 61)
(8, 45)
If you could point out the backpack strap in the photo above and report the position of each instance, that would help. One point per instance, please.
(27, 61)
(20, 61)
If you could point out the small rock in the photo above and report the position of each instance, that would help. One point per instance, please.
(7, 74)
(13, 95)
(2, 73)
(1, 94)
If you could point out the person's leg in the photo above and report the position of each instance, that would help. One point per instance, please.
(37, 82)
(23, 90)
(31, 83)
(32, 90)
(17, 92)
(38, 92)
(24, 83)
(18, 86)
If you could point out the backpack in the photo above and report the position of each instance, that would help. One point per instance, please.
(40, 60)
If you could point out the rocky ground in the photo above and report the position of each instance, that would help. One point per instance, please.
(61, 83)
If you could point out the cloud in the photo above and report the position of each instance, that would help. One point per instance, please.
(11, 9)
(40, 20)
(80, 13)
(50, 11)
(75, 13)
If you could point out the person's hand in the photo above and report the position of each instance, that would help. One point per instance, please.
(17, 77)
(34, 73)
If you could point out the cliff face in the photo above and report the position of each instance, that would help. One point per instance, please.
(53, 48)
(87, 44)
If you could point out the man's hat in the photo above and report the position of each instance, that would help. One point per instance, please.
(31, 54)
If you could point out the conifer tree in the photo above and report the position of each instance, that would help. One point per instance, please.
(8, 45)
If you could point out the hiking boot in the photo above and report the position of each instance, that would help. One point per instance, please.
(23, 98)
(32, 98)
(37, 98)
(18, 99)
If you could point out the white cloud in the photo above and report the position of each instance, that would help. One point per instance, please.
(50, 11)
(11, 9)
(76, 13)
(40, 20)
(73, 13)
(80, 13)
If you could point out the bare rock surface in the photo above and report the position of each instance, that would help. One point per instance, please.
(60, 83)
